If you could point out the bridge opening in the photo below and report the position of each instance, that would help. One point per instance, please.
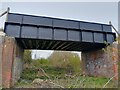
(60, 67)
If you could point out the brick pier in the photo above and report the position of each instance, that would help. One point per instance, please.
(11, 55)
(101, 63)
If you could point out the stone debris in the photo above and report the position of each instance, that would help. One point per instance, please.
(39, 83)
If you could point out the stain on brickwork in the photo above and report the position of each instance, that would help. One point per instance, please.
(17, 64)
(101, 63)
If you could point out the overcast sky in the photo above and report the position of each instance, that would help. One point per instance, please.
(101, 12)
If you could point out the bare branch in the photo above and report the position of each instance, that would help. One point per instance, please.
(109, 81)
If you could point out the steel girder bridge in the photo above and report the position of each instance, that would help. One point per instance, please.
(46, 33)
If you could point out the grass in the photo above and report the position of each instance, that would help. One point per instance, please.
(85, 82)
(58, 75)
(31, 73)
(75, 82)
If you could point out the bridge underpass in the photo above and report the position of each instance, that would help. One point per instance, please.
(46, 33)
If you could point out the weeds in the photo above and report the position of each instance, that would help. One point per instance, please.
(61, 75)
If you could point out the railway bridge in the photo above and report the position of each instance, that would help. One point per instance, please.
(47, 33)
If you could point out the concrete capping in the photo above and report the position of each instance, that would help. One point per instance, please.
(2, 33)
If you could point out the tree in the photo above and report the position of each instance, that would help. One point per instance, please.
(1, 29)
(67, 60)
(27, 56)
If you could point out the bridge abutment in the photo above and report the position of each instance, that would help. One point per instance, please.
(101, 63)
(11, 55)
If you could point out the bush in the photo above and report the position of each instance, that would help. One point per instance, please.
(40, 62)
(27, 57)
(67, 60)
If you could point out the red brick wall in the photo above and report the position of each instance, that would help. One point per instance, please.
(7, 61)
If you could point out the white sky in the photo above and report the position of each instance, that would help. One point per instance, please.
(101, 12)
(59, 0)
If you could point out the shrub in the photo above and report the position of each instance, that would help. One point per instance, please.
(69, 61)
(40, 62)
(27, 57)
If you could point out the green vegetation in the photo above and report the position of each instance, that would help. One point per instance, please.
(67, 60)
(27, 57)
(62, 69)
